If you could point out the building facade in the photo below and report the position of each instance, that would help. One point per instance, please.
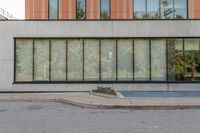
(77, 45)
(112, 9)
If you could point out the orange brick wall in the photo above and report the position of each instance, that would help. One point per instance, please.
(121, 9)
(67, 9)
(36, 9)
(93, 9)
(194, 9)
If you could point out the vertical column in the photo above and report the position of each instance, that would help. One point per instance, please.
(113, 9)
(36, 9)
(27, 8)
(93, 9)
(121, 9)
(194, 9)
(67, 9)
(96, 9)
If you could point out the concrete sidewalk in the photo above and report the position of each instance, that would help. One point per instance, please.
(85, 99)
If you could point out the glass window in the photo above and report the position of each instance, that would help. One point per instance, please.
(141, 60)
(41, 60)
(58, 60)
(91, 48)
(158, 60)
(139, 9)
(125, 59)
(180, 9)
(108, 59)
(24, 60)
(175, 59)
(75, 59)
(80, 9)
(167, 9)
(105, 9)
(192, 59)
(153, 9)
(53, 9)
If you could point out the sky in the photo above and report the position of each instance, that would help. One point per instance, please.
(14, 7)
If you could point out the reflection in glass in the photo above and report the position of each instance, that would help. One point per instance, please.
(176, 67)
(58, 60)
(80, 9)
(192, 59)
(91, 48)
(167, 10)
(180, 9)
(158, 60)
(105, 9)
(139, 9)
(153, 9)
(41, 60)
(125, 59)
(141, 60)
(53, 9)
(75, 59)
(24, 66)
(108, 59)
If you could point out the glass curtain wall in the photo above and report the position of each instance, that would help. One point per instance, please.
(153, 9)
(105, 9)
(160, 9)
(158, 60)
(80, 9)
(176, 68)
(180, 7)
(41, 60)
(125, 59)
(91, 59)
(139, 7)
(192, 59)
(146, 60)
(108, 59)
(141, 60)
(53, 9)
(58, 60)
(24, 60)
(75, 59)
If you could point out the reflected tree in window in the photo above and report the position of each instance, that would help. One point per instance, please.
(167, 9)
(108, 59)
(91, 60)
(58, 60)
(75, 59)
(192, 59)
(80, 11)
(125, 59)
(41, 58)
(24, 59)
(105, 9)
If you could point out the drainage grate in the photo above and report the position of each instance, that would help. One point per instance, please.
(165, 94)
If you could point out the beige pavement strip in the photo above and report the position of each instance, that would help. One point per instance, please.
(87, 100)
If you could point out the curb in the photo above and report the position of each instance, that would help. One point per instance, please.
(94, 106)
(133, 107)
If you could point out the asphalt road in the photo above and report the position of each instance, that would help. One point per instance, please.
(49, 117)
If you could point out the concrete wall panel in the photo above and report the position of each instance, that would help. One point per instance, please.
(66, 29)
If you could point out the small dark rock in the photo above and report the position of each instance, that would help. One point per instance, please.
(105, 90)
